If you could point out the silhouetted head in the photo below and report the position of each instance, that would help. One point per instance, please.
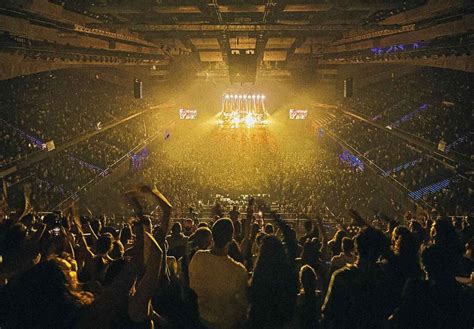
(347, 245)
(308, 226)
(125, 234)
(176, 228)
(117, 250)
(269, 228)
(104, 244)
(110, 230)
(202, 238)
(308, 279)
(96, 225)
(370, 244)
(443, 232)
(222, 232)
(13, 237)
(46, 296)
(437, 264)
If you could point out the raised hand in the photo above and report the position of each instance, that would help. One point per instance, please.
(358, 220)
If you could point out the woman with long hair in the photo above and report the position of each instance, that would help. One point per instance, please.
(46, 296)
(273, 286)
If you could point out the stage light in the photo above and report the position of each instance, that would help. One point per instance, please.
(239, 112)
(250, 120)
(235, 120)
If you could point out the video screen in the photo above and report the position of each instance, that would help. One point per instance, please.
(187, 114)
(298, 114)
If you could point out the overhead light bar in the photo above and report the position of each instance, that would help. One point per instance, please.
(244, 96)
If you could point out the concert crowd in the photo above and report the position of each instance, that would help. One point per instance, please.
(153, 261)
(62, 270)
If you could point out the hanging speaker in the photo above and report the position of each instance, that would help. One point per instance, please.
(138, 88)
(242, 67)
(348, 87)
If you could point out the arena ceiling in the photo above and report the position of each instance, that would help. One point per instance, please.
(284, 35)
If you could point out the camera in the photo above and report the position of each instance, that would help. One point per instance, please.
(56, 231)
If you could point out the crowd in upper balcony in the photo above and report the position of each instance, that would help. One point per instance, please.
(429, 103)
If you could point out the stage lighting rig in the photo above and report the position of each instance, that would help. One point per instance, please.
(243, 110)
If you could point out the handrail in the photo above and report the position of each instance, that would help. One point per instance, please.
(37, 157)
(427, 146)
(107, 171)
(372, 165)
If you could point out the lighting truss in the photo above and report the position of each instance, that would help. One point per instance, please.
(243, 110)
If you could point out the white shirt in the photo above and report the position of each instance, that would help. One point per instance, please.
(221, 287)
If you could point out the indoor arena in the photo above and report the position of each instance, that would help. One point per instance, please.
(232, 164)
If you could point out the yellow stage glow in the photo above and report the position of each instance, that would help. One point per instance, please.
(243, 111)
(250, 120)
(235, 120)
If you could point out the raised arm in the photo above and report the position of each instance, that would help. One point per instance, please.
(91, 231)
(27, 204)
(246, 243)
(358, 219)
(338, 220)
(322, 231)
(83, 247)
(164, 204)
(162, 231)
(289, 239)
(139, 307)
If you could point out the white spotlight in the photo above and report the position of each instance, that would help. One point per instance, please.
(250, 120)
(235, 121)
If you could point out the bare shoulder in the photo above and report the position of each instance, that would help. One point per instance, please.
(237, 265)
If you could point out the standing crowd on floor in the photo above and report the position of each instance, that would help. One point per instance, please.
(62, 270)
